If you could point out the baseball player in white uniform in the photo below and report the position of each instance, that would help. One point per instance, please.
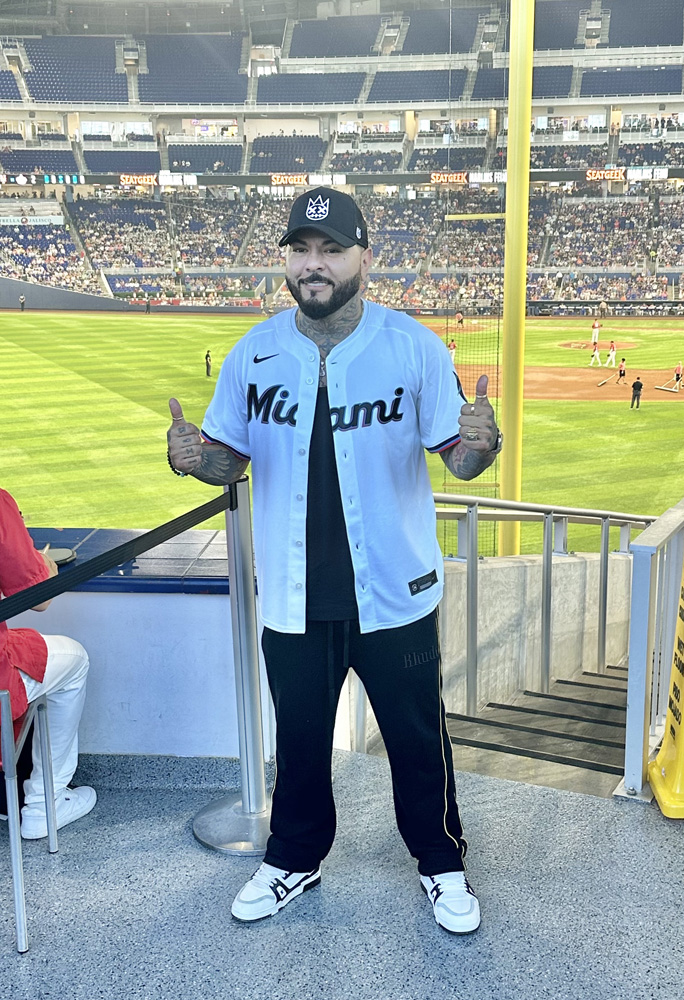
(334, 403)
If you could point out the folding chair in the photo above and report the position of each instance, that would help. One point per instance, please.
(11, 748)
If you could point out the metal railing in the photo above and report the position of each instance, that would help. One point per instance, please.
(656, 578)
(555, 521)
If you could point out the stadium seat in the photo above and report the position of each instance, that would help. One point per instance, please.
(631, 24)
(310, 88)
(556, 24)
(186, 69)
(9, 91)
(13, 737)
(417, 85)
(627, 81)
(65, 69)
(432, 31)
(334, 37)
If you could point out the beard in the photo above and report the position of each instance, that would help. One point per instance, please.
(314, 308)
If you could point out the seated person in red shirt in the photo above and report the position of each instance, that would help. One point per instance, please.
(32, 665)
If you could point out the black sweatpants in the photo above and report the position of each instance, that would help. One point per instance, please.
(401, 671)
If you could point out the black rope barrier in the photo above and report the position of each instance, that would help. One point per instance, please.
(56, 585)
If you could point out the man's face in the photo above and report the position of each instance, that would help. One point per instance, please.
(322, 275)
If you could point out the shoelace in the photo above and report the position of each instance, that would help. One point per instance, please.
(266, 875)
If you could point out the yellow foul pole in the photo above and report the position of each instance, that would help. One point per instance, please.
(515, 261)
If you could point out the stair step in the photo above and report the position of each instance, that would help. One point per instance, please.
(586, 688)
(582, 711)
(583, 732)
(606, 679)
(584, 697)
(544, 712)
(558, 749)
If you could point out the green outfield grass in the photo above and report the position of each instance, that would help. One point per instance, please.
(85, 417)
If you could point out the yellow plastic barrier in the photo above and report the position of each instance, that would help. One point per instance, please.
(666, 772)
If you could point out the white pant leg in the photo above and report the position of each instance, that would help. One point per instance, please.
(65, 686)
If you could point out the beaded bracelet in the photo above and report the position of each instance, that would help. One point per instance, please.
(175, 471)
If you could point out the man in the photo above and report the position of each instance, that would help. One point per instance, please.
(610, 360)
(22, 302)
(637, 386)
(678, 375)
(595, 327)
(595, 357)
(334, 402)
(207, 362)
(622, 373)
(31, 665)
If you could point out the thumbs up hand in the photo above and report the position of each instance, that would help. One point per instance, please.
(477, 421)
(184, 441)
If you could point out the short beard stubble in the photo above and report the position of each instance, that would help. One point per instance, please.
(314, 308)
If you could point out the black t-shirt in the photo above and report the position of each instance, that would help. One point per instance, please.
(330, 594)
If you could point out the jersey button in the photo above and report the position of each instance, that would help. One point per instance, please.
(298, 544)
(300, 496)
(309, 381)
(311, 357)
(302, 451)
(298, 586)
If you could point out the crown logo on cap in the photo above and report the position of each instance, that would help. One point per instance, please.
(318, 209)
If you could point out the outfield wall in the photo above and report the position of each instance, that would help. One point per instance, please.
(49, 298)
(162, 679)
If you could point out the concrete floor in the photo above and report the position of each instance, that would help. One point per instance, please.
(580, 895)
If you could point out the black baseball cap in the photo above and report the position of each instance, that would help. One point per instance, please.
(328, 211)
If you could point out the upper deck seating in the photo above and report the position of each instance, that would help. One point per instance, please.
(122, 161)
(310, 88)
(419, 85)
(366, 161)
(556, 23)
(193, 69)
(452, 158)
(9, 91)
(441, 30)
(74, 69)
(206, 158)
(286, 154)
(38, 161)
(660, 22)
(551, 81)
(335, 36)
(626, 81)
(490, 84)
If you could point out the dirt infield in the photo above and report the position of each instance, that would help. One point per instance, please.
(578, 383)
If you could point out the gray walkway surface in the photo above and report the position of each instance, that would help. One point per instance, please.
(581, 898)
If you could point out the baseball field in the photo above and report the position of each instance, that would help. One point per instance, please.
(85, 415)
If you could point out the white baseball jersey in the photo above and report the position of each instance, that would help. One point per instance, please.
(392, 392)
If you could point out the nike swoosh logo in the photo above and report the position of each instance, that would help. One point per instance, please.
(258, 360)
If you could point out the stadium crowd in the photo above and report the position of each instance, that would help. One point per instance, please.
(211, 235)
(124, 232)
(47, 255)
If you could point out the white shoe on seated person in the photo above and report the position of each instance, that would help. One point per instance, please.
(70, 805)
(269, 890)
(454, 903)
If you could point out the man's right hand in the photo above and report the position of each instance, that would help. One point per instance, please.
(184, 441)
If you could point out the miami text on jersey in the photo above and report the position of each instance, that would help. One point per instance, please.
(361, 414)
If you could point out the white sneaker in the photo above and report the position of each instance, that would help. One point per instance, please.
(70, 805)
(453, 901)
(269, 890)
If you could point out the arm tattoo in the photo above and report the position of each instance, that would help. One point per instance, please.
(464, 463)
(328, 332)
(219, 465)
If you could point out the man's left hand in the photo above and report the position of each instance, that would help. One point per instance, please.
(477, 421)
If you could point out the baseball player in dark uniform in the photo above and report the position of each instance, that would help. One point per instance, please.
(637, 386)
(334, 402)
